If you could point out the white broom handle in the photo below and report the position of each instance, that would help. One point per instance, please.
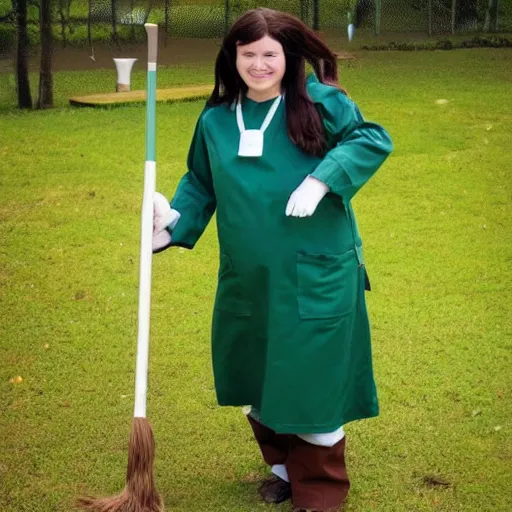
(141, 370)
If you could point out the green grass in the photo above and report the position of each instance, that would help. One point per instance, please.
(437, 228)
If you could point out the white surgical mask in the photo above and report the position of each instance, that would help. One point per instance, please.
(251, 141)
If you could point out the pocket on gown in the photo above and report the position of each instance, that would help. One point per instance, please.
(326, 284)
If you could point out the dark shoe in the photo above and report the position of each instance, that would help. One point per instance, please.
(275, 490)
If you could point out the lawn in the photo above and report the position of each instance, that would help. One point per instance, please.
(436, 221)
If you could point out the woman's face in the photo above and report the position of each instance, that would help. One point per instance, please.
(261, 65)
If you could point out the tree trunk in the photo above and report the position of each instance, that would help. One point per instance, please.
(227, 16)
(316, 15)
(89, 35)
(378, 16)
(166, 17)
(22, 79)
(62, 16)
(429, 18)
(68, 17)
(132, 26)
(491, 17)
(114, 20)
(454, 10)
(45, 99)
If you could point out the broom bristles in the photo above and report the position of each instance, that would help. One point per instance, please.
(139, 494)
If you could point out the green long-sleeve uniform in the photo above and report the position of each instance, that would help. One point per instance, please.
(290, 333)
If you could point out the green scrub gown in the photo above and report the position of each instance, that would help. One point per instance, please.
(290, 332)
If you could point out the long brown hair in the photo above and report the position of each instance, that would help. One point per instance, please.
(300, 44)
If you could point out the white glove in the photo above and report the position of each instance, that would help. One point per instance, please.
(164, 217)
(305, 199)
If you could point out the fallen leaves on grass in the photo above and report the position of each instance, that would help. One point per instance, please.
(436, 481)
(80, 295)
(252, 477)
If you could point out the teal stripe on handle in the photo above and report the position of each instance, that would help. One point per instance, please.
(151, 117)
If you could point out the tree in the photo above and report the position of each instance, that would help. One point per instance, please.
(22, 79)
(45, 99)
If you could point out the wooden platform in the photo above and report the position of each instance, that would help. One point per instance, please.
(189, 93)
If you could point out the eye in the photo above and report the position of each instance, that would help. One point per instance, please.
(248, 54)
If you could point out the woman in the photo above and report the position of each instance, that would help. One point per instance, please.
(279, 157)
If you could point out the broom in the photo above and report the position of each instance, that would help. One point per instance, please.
(140, 494)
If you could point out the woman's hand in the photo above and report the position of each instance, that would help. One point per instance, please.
(164, 220)
(306, 197)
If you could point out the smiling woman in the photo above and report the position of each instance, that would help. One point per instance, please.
(279, 156)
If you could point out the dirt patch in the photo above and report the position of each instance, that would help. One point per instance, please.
(171, 52)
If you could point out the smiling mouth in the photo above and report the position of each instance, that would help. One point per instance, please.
(265, 75)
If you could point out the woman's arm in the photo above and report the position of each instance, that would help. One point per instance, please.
(195, 197)
(358, 147)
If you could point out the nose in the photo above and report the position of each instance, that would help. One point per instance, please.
(258, 62)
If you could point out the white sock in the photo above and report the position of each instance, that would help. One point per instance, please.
(280, 471)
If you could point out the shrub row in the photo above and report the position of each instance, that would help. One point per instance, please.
(443, 44)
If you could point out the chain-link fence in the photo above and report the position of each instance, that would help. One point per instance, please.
(82, 22)
(439, 16)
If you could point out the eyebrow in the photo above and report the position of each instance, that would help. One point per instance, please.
(266, 51)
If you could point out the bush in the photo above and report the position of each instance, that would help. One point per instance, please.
(487, 42)
(442, 44)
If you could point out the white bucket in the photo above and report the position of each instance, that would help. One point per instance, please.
(124, 69)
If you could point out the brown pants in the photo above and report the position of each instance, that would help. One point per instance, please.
(318, 475)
